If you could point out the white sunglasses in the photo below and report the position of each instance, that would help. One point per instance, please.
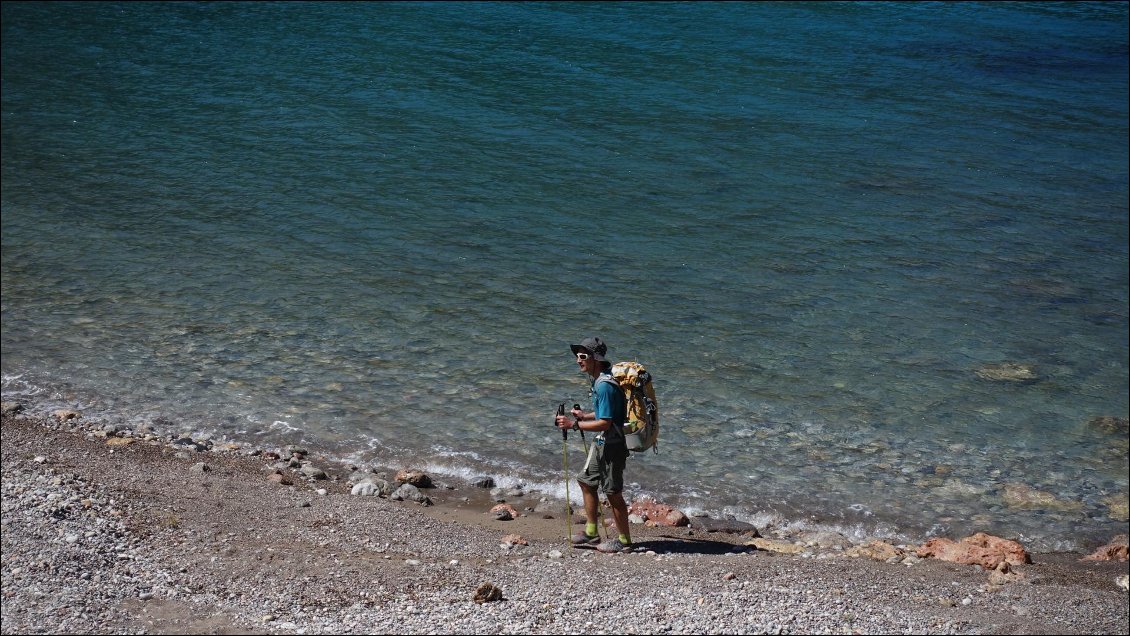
(581, 357)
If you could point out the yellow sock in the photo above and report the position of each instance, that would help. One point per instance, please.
(590, 529)
(625, 539)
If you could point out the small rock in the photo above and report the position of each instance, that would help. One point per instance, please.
(487, 593)
(775, 545)
(504, 512)
(877, 550)
(189, 444)
(364, 489)
(280, 479)
(1110, 425)
(1004, 574)
(1116, 550)
(658, 514)
(1119, 506)
(1008, 372)
(417, 478)
(1024, 497)
(313, 472)
(408, 492)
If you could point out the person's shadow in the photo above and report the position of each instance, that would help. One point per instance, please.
(689, 545)
(683, 545)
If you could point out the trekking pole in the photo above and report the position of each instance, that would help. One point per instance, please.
(599, 508)
(565, 468)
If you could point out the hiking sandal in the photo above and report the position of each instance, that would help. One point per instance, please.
(581, 538)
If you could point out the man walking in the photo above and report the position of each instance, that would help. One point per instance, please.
(604, 466)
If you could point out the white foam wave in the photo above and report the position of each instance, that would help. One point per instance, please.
(282, 425)
(15, 385)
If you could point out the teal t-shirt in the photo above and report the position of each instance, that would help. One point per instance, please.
(608, 404)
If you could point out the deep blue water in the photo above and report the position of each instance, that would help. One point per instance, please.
(374, 228)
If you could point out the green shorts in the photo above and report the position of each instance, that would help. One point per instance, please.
(606, 470)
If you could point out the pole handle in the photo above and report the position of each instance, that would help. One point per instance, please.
(561, 411)
(577, 422)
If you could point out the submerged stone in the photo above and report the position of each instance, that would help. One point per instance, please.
(1110, 425)
(1008, 372)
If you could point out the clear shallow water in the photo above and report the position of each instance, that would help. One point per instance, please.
(376, 228)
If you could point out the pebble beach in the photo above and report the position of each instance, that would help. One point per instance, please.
(111, 532)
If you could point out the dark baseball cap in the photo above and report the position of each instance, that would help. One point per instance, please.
(591, 345)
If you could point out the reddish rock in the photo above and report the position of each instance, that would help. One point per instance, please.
(657, 514)
(1116, 550)
(417, 478)
(502, 510)
(514, 539)
(280, 479)
(980, 549)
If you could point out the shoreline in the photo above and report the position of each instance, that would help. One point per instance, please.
(105, 535)
(792, 522)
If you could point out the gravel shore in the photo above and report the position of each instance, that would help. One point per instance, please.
(111, 534)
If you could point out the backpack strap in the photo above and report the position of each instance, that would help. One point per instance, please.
(608, 378)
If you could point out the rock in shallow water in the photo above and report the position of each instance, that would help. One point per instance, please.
(1008, 372)
(1110, 425)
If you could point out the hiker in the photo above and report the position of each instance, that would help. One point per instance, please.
(604, 466)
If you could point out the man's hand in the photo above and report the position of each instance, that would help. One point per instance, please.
(564, 422)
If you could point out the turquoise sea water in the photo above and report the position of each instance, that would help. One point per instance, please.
(374, 228)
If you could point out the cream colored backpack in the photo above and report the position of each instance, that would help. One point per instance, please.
(641, 430)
